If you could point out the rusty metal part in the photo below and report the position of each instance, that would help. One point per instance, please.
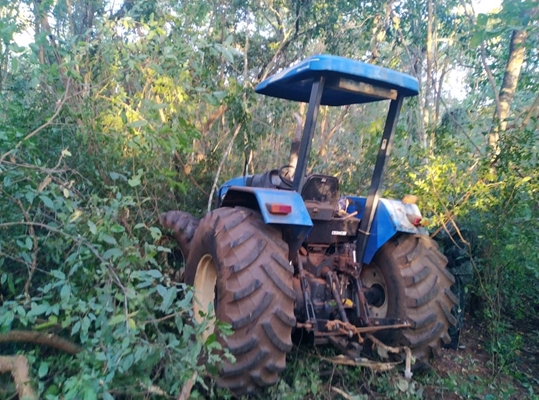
(309, 308)
(345, 327)
(363, 309)
(329, 277)
(304, 325)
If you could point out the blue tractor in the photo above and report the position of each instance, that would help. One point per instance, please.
(283, 253)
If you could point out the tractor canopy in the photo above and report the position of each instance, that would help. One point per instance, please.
(347, 82)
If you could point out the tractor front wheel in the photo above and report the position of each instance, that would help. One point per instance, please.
(240, 265)
(410, 272)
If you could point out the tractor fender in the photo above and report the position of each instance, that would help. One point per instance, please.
(391, 216)
(295, 225)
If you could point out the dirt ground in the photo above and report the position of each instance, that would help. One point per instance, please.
(467, 371)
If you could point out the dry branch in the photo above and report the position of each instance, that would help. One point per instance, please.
(223, 159)
(18, 366)
(396, 350)
(186, 390)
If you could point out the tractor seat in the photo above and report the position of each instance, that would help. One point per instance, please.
(321, 194)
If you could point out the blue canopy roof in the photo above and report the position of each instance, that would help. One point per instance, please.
(343, 77)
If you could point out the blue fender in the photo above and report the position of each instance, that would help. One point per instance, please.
(391, 217)
(298, 222)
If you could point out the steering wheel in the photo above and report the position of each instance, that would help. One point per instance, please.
(285, 175)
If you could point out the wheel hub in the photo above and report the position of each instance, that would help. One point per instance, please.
(373, 280)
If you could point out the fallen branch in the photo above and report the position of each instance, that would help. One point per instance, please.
(375, 366)
(186, 390)
(18, 366)
(396, 350)
(46, 339)
(341, 393)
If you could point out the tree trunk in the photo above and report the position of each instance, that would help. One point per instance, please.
(507, 92)
(427, 118)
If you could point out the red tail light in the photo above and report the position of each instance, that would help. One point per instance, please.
(279, 209)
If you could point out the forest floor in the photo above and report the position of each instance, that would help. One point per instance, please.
(468, 371)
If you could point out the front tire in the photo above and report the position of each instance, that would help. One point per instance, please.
(240, 264)
(416, 285)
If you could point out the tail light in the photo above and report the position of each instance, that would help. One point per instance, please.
(279, 209)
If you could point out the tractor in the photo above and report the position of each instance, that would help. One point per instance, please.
(283, 253)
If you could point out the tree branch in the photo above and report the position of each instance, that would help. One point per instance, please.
(18, 366)
(179, 159)
(225, 156)
(36, 131)
(45, 339)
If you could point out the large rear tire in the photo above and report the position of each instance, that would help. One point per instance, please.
(416, 285)
(240, 264)
(184, 226)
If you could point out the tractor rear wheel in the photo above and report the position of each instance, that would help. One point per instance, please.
(240, 265)
(410, 272)
(184, 226)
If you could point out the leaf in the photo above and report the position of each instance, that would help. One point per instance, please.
(169, 298)
(44, 183)
(155, 232)
(93, 228)
(137, 124)
(403, 385)
(112, 253)
(65, 293)
(29, 243)
(14, 65)
(523, 181)
(48, 202)
(75, 216)
(154, 273)
(38, 310)
(76, 328)
(476, 39)
(161, 290)
(58, 274)
(211, 338)
(482, 20)
(134, 182)
(90, 394)
(117, 319)
(116, 228)
(114, 175)
(131, 323)
(43, 369)
(30, 196)
(109, 239)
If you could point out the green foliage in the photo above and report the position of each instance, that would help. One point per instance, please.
(76, 265)
(81, 254)
(122, 111)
